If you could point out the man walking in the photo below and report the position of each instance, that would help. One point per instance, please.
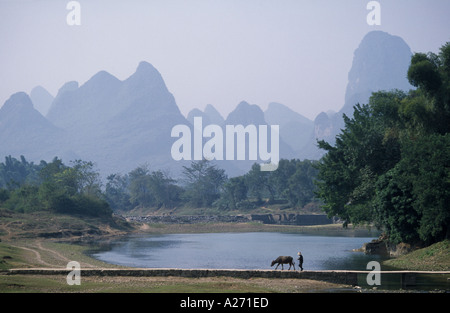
(300, 260)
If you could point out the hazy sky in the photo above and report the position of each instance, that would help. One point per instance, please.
(296, 52)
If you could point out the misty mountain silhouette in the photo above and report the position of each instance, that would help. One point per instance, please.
(213, 115)
(42, 99)
(243, 114)
(251, 114)
(295, 129)
(25, 131)
(120, 125)
(380, 62)
(246, 114)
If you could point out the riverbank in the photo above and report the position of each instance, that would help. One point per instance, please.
(324, 230)
(45, 241)
(26, 243)
(17, 250)
(45, 225)
(45, 254)
(435, 257)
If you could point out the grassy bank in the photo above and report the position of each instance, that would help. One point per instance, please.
(44, 224)
(433, 258)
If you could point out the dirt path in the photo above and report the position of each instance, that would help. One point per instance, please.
(36, 253)
(7, 229)
(55, 258)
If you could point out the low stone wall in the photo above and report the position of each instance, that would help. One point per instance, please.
(282, 219)
(342, 277)
(189, 219)
(396, 279)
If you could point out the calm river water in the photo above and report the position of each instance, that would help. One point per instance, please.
(236, 251)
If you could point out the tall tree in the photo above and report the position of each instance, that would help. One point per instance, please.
(259, 184)
(234, 194)
(163, 189)
(140, 193)
(62, 189)
(431, 74)
(345, 173)
(117, 192)
(14, 173)
(203, 183)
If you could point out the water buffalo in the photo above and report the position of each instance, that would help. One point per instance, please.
(283, 260)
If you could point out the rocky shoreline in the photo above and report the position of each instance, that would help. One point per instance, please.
(382, 246)
(188, 219)
(277, 219)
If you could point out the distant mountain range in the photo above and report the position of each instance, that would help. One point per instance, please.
(120, 125)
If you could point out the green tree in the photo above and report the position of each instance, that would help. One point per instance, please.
(259, 184)
(393, 205)
(14, 173)
(431, 74)
(431, 185)
(203, 183)
(58, 188)
(280, 179)
(72, 189)
(165, 192)
(152, 189)
(24, 199)
(412, 199)
(301, 187)
(4, 195)
(234, 194)
(139, 188)
(117, 192)
(87, 179)
(347, 172)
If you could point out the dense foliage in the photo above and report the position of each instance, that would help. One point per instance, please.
(27, 187)
(292, 183)
(204, 185)
(391, 163)
(77, 189)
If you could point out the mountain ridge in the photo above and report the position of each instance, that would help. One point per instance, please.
(122, 124)
(23, 128)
